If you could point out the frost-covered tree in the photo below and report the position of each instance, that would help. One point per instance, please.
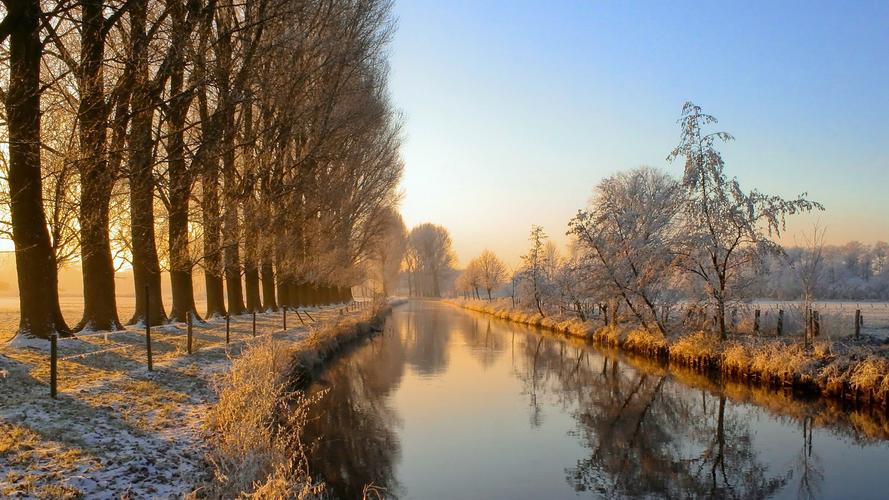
(388, 250)
(727, 230)
(470, 279)
(629, 235)
(431, 245)
(537, 269)
(491, 270)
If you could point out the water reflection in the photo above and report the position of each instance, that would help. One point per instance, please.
(513, 413)
(359, 444)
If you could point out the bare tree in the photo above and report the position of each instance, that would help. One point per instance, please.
(492, 271)
(38, 279)
(432, 246)
(630, 234)
(727, 230)
(536, 267)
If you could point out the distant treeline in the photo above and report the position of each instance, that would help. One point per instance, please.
(853, 271)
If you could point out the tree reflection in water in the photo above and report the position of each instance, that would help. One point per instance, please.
(642, 433)
(646, 435)
(352, 429)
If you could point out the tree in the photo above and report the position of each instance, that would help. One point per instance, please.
(809, 270)
(727, 230)
(629, 233)
(390, 250)
(536, 266)
(492, 271)
(472, 278)
(431, 245)
(35, 261)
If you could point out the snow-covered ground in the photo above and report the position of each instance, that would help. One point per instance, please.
(116, 429)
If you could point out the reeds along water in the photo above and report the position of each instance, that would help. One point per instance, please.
(635, 426)
(851, 370)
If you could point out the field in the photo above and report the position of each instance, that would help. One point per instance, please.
(116, 429)
(72, 308)
(839, 315)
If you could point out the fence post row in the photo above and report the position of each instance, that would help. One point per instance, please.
(147, 319)
(53, 364)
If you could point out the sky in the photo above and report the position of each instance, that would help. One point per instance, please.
(514, 110)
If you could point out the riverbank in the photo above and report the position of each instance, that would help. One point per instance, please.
(848, 370)
(254, 429)
(119, 430)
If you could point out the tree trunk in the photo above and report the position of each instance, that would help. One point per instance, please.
(251, 282)
(301, 296)
(252, 223)
(284, 292)
(212, 239)
(146, 267)
(281, 282)
(96, 178)
(268, 286)
(720, 318)
(180, 193)
(231, 229)
(34, 258)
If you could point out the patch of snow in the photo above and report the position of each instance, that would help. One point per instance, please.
(22, 341)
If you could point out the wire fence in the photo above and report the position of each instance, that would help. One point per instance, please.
(198, 335)
(831, 319)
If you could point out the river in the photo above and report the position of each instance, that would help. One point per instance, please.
(446, 403)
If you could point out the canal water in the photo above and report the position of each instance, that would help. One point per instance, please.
(447, 403)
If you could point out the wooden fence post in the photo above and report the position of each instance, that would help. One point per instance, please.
(189, 320)
(816, 324)
(808, 320)
(285, 316)
(227, 320)
(756, 321)
(254, 323)
(857, 323)
(780, 329)
(147, 319)
(53, 364)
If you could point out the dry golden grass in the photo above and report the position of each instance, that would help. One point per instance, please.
(252, 452)
(255, 426)
(838, 368)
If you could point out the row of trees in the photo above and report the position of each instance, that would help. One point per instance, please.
(252, 140)
(646, 239)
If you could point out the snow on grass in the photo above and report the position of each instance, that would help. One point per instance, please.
(116, 429)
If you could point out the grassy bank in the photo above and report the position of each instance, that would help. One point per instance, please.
(846, 370)
(120, 430)
(255, 427)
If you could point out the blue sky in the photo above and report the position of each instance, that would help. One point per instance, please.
(514, 110)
